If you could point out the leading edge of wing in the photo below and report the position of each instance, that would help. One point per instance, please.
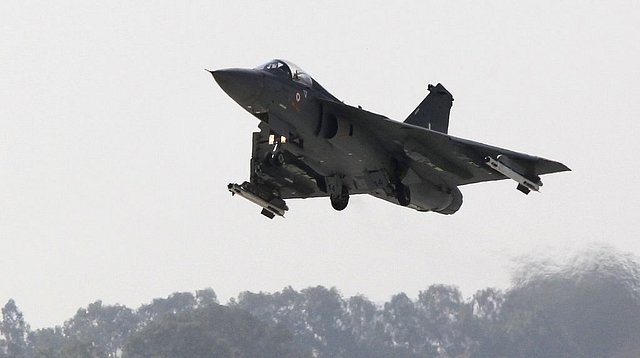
(461, 153)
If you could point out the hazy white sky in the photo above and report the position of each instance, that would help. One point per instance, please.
(116, 146)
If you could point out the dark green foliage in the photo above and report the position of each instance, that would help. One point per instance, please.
(589, 307)
(211, 331)
(440, 308)
(14, 329)
(47, 342)
(584, 308)
(102, 326)
(175, 303)
(402, 324)
(316, 316)
(206, 297)
(82, 349)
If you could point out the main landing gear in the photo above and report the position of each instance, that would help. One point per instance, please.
(403, 194)
(340, 201)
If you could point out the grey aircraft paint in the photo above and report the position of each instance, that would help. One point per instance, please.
(311, 144)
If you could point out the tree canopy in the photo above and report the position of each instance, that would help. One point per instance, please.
(585, 307)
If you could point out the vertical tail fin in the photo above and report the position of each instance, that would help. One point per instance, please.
(433, 111)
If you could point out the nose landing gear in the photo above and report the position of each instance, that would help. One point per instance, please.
(276, 157)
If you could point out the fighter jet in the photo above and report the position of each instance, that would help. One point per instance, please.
(311, 144)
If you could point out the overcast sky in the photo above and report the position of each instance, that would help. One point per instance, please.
(116, 146)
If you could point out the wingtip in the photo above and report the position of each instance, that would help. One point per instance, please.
(211, 72)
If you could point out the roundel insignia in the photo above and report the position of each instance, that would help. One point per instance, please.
(298, 98)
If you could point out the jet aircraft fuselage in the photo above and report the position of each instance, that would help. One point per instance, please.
(311, 144)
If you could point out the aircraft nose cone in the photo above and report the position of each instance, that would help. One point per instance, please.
(243, 85)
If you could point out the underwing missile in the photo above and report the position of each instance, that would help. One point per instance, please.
(524, 185)
(271, 206)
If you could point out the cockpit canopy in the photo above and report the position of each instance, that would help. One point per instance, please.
(288, 70)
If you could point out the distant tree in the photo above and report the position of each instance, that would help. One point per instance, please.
(176, 302)
(47, 342)
(82, 349)
(586, 307)
(365, 319)
(440, 307)
(403, 324)
(283, 308)
(280, 307)
(15, 330)
(105, 327)
(327, 322)
(206, 297)
(479, 319)
(317, 317)
(176, 336)
(324, 324)
(210, 331)
(264, 306)
(486, 304)
(368, 329)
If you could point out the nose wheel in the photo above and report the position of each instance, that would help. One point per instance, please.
(276, 158)
(340, 202)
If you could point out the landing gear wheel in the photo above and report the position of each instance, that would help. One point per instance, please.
(276, 158)
(403, 194)
(341, 201)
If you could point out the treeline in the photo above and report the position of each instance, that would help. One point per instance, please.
(586, 307)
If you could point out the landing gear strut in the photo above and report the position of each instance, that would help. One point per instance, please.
(339, 202)
(403, 194)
